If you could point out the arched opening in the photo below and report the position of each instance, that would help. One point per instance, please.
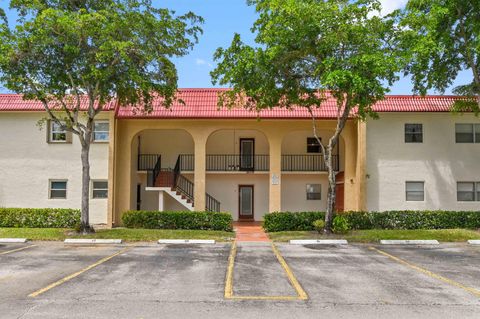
(237, 167)
(304, 173)
(155, 155)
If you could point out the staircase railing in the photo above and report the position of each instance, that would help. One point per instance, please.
(153, 174)
(185, 187)
(181, 184)
(211, 204)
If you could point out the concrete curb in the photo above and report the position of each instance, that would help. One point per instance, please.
(318, 242)
(474, 241)
(186, 241)
(13, 240)
(86, 241)
(409, 242)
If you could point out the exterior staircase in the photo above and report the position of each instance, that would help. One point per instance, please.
(172, 182)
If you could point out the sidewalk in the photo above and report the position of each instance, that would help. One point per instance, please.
(250, 232)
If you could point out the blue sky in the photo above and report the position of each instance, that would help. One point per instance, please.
(222, 19)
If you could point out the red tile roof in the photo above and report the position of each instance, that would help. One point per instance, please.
(202, 104)
(15, 102)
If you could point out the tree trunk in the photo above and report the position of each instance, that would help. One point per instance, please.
(331, 194)
(85, 222)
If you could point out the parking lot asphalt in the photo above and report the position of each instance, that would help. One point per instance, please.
(51, 280)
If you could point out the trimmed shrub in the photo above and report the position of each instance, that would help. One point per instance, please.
(177, 220)
(284, 221)
(39, 217)
(413, 219)
(340, 224)
(319, 225)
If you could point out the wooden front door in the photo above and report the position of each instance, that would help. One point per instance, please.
(245, 202)
(247, 154)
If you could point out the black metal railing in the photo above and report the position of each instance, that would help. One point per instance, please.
(307, 163)
(185, 187)
(152, 174)
(186, 162)
(232, 162)
(147, 162)
(211, 204)
(175, 179)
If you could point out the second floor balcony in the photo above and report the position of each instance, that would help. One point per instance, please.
(245, 163)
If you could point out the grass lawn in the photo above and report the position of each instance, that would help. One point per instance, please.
(120, 233)
(374, 235)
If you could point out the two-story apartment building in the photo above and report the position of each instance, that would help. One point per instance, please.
(195, 156)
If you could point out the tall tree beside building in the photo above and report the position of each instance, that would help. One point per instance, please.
(77, 56)
(309, 49)
(442, 38)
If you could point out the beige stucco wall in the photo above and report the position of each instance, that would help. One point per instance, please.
(294, 192)
(438, 161)
(224, 187)
(28, 162)
(168, 143)
(228, 141)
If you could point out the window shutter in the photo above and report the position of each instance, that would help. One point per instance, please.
(49, 127)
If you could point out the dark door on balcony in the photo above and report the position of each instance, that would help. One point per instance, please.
(245, 202)
(247, 154)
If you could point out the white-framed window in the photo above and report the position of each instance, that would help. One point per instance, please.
(57, 134)
(415, 191)
(467, 133)
(468, 191)
(413, 133)
(100, 131)
(99, 189)
(314, 191)
(57, 189)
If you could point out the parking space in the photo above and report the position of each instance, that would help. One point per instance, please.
(459, 263)
(25, 271)
(152, 281)
(354, 274)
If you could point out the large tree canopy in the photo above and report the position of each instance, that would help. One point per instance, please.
(77, 55)
(110, 48)
(309, 48)
(442, 38)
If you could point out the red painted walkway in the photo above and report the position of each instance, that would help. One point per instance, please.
(250, 232)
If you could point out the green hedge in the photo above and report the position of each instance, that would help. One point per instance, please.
(286, 221)
(177, 220)
(413, 219)
(39, 217)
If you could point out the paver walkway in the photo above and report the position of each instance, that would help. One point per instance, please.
(250, 232)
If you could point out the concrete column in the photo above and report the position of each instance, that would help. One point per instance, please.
(124, 173)
(161, 201)
(200, 171)
(362, 166)
(111, 169)
(350, 138)
(275, 181)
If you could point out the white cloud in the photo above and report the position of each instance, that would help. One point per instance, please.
(200, 61)
(388, 6)
(203, 62)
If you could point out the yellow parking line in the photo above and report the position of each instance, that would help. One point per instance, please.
(78, 273)
(18, 249)
(229, 278)
(301, 294)
(428, 272)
